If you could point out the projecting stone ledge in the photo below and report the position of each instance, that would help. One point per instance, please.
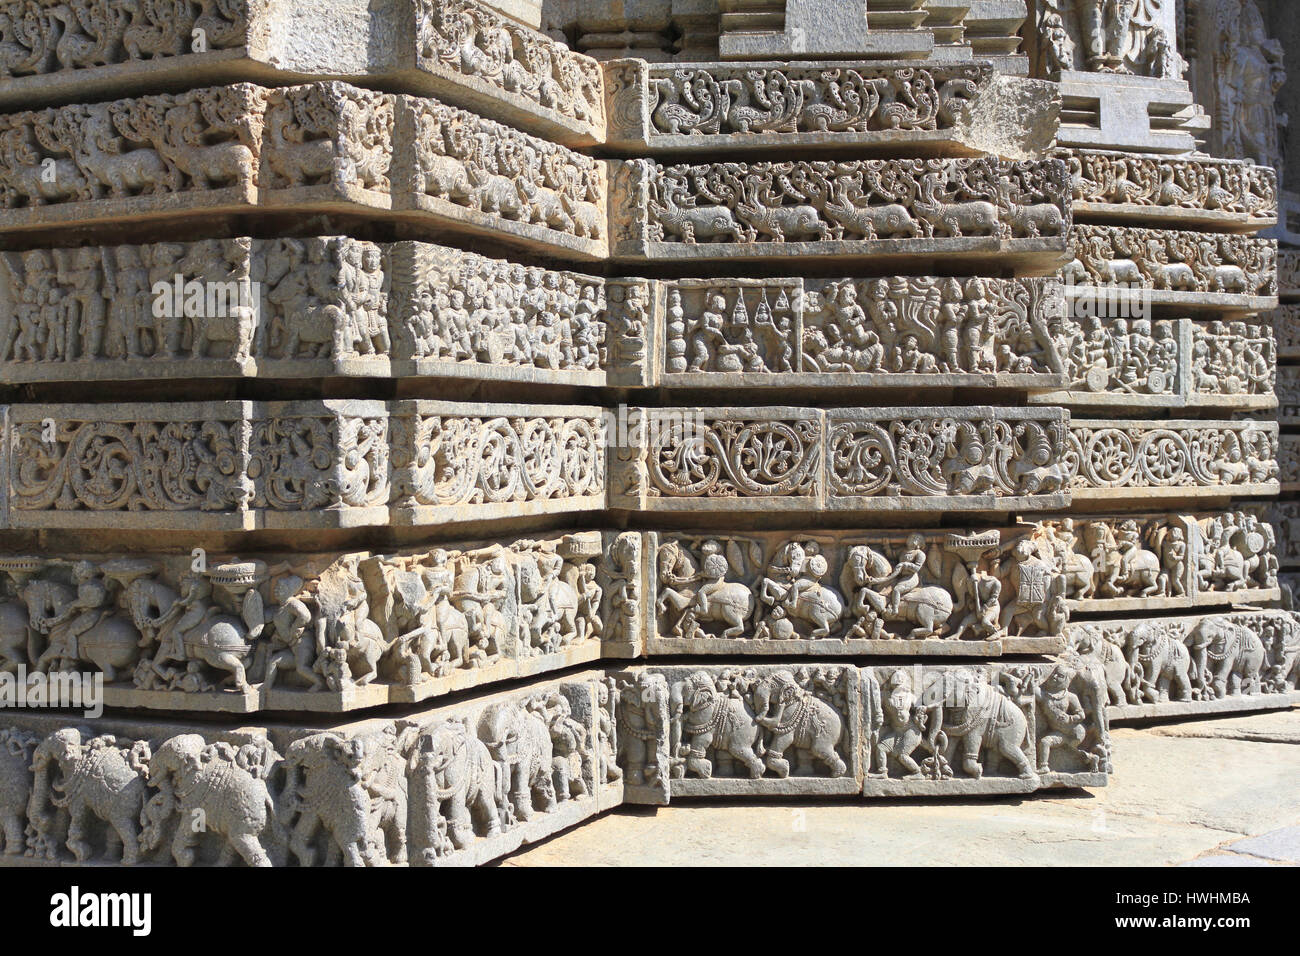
(900, 211)
(929, 108)
(459, 50)
(323, 147)
(764, 459)
(239, 466)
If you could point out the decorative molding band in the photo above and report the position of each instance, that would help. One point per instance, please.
(459, 50)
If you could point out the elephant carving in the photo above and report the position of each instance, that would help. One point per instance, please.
(1159, 666)
(221, 784)
(1234, 657)
(710, 720)
(796, 718)
(520, 743)
(323, 791)
(101, 778)
(16, 747)
(975, 715)
(453, 779)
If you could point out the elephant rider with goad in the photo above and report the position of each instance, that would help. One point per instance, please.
(90, 606)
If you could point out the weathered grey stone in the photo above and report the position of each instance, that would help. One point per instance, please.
(1193, 666)
(458, 49)
(229, 466)
(458, 785)
(1191, 270)
(970, 209)
(933, 108)
(300, 632)
(857, 459)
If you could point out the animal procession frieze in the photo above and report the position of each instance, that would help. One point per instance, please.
(992, 728)
(961, 593)
(1169, 666)
(697, 107)
(891, 730)
(490, 177)
(480, 52)
(1192, 269)
(327, 632)
(1286, 326)
(898, 331)
(223, 146)
(899, 206)
(1164, 363)
(741, 459)
(336, 463)
(453, 786)
(1214, 192)
(327, 146)
(1155, 562)
(1110, 458)
(466, 51)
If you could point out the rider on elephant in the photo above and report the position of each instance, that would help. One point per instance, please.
(91, 605)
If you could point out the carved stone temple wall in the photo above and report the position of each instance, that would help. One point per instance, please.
(439, 422)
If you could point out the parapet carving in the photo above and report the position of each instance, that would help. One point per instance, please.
(1165, 363)
(324, 145)
(900, 331)
(465, 51)
(1213, 192)
(1150, 562)
(726, 209)
(479, 48)
(978, 593)
(240, 465)
(316, 632)
(503, 179)
(456, 786)
(930, 107)
(1193, 665)
(1177, 458)
(847, 459)
(1198, 270)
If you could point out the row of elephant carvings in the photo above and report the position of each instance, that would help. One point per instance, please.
(417, 791)
(328, 134)
(317, 625)
(326, 297)
(232, 457)
(840, 453)
(1163, 660)
(801, 201)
